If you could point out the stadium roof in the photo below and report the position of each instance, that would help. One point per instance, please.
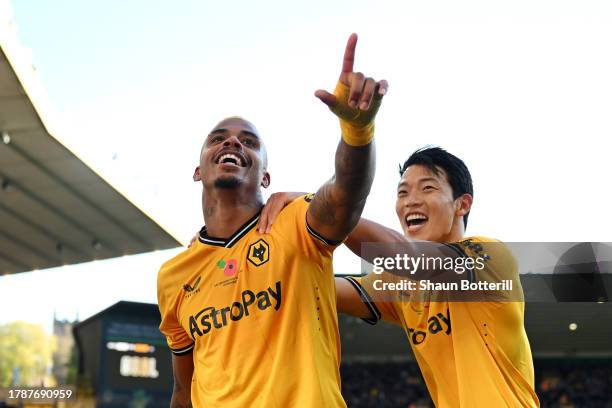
(54, 209)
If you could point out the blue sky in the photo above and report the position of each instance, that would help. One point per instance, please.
(520, 90)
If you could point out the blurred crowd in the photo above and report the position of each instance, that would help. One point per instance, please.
(395, 385)
(384, 385)
(575, 387)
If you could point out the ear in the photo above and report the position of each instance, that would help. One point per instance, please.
(265, 182)
(463, 204)
(196, 174)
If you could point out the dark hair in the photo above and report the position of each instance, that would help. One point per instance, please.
(436, 158)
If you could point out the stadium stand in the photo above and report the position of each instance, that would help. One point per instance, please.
(566, 383)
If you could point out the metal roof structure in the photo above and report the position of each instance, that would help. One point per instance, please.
(54, 209)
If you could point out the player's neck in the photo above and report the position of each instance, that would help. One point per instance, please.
(457, 234)
(226, 211)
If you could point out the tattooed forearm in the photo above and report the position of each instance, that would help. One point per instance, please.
(321, 208)
(354, 171)
(337, 206)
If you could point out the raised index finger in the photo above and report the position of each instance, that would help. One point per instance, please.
(349, 54)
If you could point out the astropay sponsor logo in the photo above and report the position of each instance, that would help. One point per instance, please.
(212, 318)
(438, 323)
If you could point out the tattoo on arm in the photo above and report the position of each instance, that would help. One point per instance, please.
(338, 204)
(355, 170)
(321, 209)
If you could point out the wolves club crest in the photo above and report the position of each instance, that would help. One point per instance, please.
(259, 253)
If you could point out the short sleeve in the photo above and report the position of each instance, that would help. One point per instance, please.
(177, 338)
(291, 224)
(381, 309)
(496, 260)
(495, 263)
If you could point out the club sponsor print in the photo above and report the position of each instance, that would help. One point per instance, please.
(438, 323)
(212, 318)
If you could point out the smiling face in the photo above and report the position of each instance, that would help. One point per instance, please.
(233, 156)
(426, 208)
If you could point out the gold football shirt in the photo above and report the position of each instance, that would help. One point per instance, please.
(471, 354)
(258, 311)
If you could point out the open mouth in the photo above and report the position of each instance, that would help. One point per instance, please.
(231, 158)
(415, 220)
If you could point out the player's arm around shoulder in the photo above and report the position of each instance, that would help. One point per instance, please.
(274, 206)
(374, 243)
(370, 231)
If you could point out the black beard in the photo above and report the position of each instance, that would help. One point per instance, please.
(227, 182)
